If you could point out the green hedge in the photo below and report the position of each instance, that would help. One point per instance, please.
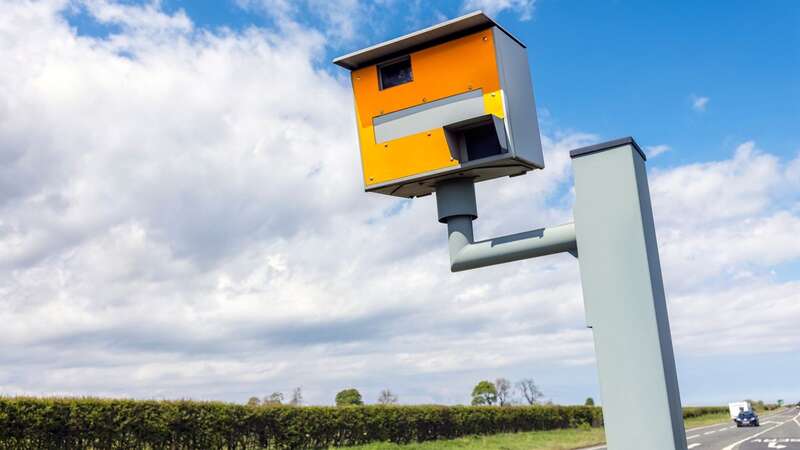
(697, 411)
(87, 423)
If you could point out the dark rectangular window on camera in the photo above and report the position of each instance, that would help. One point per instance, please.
(395, 73)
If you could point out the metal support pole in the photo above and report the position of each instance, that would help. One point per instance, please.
(622, 287)
(623, 294)
(457, 208)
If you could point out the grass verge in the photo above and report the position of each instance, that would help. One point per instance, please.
(536, 440)
(708, 419)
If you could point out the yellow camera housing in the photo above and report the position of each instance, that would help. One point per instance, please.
(452, 100)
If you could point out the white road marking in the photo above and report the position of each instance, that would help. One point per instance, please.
(710, 432)
(730, 447)
(702, 428)
(691, 446)
(694, 436)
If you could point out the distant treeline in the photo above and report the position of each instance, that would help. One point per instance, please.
(89, 423)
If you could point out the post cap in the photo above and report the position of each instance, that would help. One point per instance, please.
(603, 146)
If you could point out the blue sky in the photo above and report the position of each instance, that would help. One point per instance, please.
(181, 204)
(614, 68)
(621, 68)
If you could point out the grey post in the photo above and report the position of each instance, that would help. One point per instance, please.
(623, 294)
(614, 239)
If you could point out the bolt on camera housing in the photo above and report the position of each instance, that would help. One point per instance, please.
(453, 100)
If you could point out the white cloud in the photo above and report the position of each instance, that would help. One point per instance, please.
(738, 188)
(523, 8)
(749, 311)
(699, 103)
(342, 21)
(341, 18)
(147, 17)
(181, 214)
(656, 150)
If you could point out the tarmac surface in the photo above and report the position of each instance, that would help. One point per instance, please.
(777, 431)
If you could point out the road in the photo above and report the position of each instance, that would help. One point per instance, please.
(777, 431)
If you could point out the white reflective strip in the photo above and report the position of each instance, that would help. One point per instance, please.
(428, 116)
